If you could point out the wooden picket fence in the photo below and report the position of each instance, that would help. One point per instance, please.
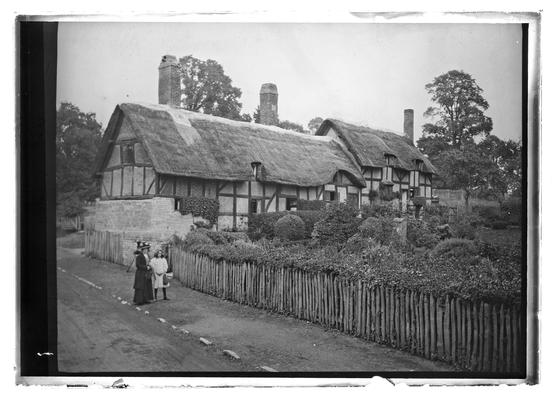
(476, 336)
(104, 245)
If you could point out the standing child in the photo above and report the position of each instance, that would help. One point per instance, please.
(160, 268)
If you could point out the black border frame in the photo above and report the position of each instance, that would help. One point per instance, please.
(36, 257)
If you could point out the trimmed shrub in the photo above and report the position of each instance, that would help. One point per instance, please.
(420, 234)
(310, 205)
(339, 223)
(456, 249)
(289, 227)
(262, 225)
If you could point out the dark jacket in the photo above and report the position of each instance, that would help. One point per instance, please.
(141, 269)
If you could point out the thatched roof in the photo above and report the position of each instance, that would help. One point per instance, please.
(185, 143)
(369, 146)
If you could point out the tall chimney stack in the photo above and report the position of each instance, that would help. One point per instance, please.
(169, 81)
(408, 126)
(269, 104)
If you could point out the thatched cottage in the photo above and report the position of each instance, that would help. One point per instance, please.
(153, 156)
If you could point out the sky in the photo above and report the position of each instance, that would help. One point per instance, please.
(362, 73)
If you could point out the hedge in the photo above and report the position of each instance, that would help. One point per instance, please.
(492, 281)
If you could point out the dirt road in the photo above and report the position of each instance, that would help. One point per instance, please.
(98, 332)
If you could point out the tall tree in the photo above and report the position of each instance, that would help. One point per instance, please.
(458, 115)
(468, 169)
(314, 124)
(507, 156)
(209, 90)
(78, 136)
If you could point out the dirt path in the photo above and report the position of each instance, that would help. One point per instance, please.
(259, 337)
(97, 333)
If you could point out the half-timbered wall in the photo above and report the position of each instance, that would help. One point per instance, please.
(239, 199)
(130, 175)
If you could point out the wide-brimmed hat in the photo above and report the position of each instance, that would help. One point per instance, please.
(144, 245)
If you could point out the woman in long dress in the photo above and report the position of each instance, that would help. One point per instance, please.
(160, 267)
(142, 277)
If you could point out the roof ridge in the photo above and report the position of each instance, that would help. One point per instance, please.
(214, 118)
(371, 127)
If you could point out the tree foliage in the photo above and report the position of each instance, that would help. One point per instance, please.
(78, 136)
(209, 90)
(469, 169)
(292, 126)
(490, 167)
(507, 156)
(459, 110)
(314, 124)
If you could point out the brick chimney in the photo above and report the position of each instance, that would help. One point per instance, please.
(169, 81)
(408, 126)
(269, 104)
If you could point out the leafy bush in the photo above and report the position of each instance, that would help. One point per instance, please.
(262, 225)
(379, 210)
(339, 223)
(464, 227)
(456, 249)
(289, 227)
(201, 207)
(463, 230)
(224, 237)
(487, 280)
(382, 230)
(311, 205)
(357, 243)
(510, 253)
(196, 238)
(309, 217)
(437, 212)
(420, 234)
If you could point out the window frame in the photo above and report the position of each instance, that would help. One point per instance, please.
(289, 206)
(124, 153)
(251, 208)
